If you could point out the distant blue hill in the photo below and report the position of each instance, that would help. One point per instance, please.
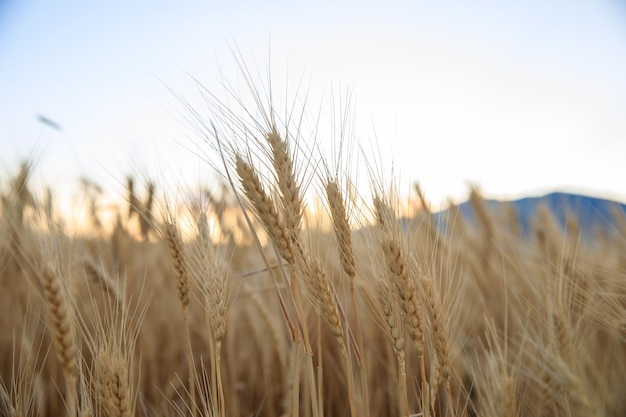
(592, 213)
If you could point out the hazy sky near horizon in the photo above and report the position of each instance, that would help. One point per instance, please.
(518, 97)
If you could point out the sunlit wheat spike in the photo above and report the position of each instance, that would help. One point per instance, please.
(63, 328)
(398, 271)
(439, 335)
(341, 227)
(112, 383)
(320, 289)
(391, 319)
(175, 245)
(265, 209)
(287, 181)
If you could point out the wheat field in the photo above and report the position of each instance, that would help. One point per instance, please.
(290, 292)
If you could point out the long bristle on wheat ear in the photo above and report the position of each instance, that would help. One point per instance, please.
(62, 326)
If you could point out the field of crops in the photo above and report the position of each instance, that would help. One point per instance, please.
(253, 301)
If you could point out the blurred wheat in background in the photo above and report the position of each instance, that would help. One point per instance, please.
(288, 291)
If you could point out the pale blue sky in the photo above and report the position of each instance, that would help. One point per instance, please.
(518, 97)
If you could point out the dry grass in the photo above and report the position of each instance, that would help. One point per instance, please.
(295, 313)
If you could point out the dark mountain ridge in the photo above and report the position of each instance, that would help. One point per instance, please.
(593, 214)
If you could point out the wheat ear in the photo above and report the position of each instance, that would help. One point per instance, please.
(265, 209)
(398, 271)
(440, 334)
(321, 292)
(177, 253)
(292, 210)
(341, 227)
(112, 383)
(286, 242)
(393, 326)
(343, 235)
(61, 321)
(215, 299)
(175, 245)
(101, 278)
(287, 182)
